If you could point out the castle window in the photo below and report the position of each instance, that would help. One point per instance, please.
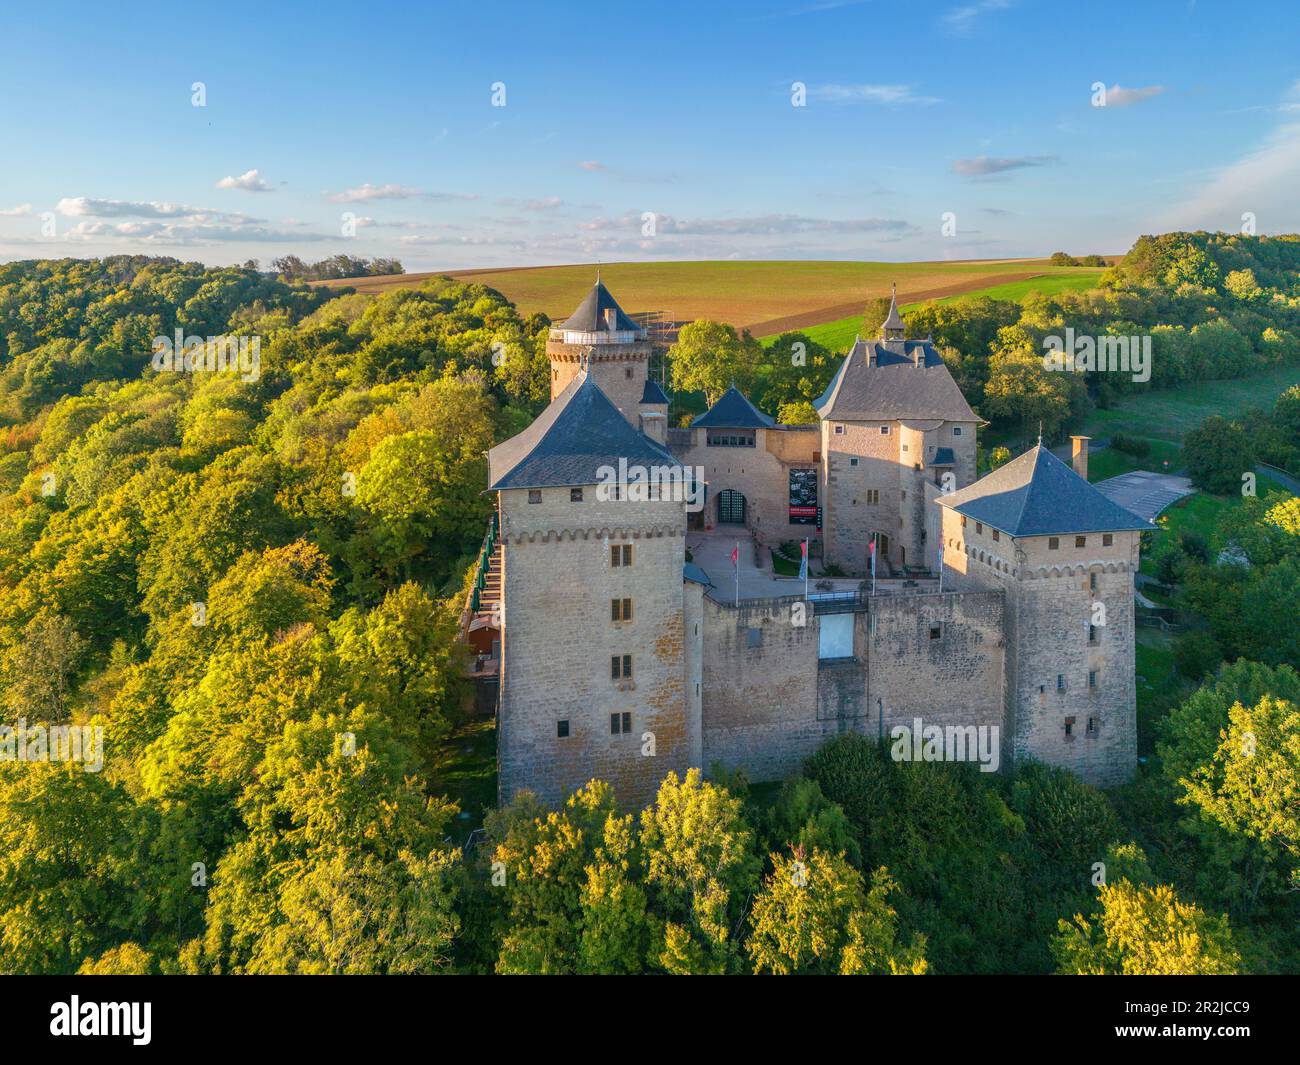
(628, 374)
(1092, 678)
(620, 555)
(1093, 635)
(839, 430)
(620, 667)
(620, 609)
(956, 430)
(884, 431)
(1053, 543)
(1092, 582)
(1060, 682)
(997, 535)
(873, 497)
(979, 528)
(1069, 726)
(1107, 540)
(730, 439)
(936, 630)
(620, 723)
(853, 462)
(1093, 726)
(534, 495)
(575, 495)
(963, 521)
(1080, 541)
(562, 730)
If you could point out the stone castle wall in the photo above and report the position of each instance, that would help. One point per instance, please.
(1051, 594)
(558, 637)
(769, 702)
(619, 370)
(760, 473)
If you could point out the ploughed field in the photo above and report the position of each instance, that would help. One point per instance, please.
(764, 297)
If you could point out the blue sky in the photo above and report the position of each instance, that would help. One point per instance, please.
(370, 129)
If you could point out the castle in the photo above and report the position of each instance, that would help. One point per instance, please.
(641, 629)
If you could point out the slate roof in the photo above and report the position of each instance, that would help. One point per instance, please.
(893, 320)
(692, 572)
(943, 457)
(1037, 494)
(895, 387)
(652, 393)
(590, 315)
(733, 411)
(570, 440)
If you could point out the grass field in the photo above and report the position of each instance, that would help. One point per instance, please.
(765, 297)
(1168, 413)
(839, 335)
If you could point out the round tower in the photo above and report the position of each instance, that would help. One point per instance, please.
(602, 339)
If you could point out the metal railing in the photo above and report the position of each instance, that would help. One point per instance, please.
(484, 563)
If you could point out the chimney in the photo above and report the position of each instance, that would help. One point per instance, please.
(918, 355)
(1079, 455)
(611, 319)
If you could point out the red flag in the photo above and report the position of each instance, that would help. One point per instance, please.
(803, 549)
(735, 555)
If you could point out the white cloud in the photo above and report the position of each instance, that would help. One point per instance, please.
(962, 19)
(876, 94)
(366, 192)
(591, 164)
(1118, 96)
(1262, 182)
(11, 212)
(249, 181)
(984, 165)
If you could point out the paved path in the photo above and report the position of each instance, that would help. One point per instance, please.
(711, 551)
(1145, 493)
(1281, 476)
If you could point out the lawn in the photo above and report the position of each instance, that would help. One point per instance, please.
(1110, 462)
(767, 297)
(1199, 514)
(839, 335)
(1168, 413)
(466, 772)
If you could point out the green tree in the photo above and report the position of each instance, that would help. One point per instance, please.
(813, 915)
(1217, 453)
(709, 357)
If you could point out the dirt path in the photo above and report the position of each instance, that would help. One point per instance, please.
(845, 310)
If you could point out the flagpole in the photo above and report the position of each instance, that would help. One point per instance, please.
(805, 567)
(737, 569)
(941, 569)
(875, 546)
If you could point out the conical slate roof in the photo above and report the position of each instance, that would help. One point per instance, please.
(893, 320)
(580, 432)
(590, 315)
(1037, 494)
(733, 411)
(652, 393)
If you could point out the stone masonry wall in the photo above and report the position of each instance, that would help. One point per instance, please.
(558, 638)
(761, 473)
(769, 702)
